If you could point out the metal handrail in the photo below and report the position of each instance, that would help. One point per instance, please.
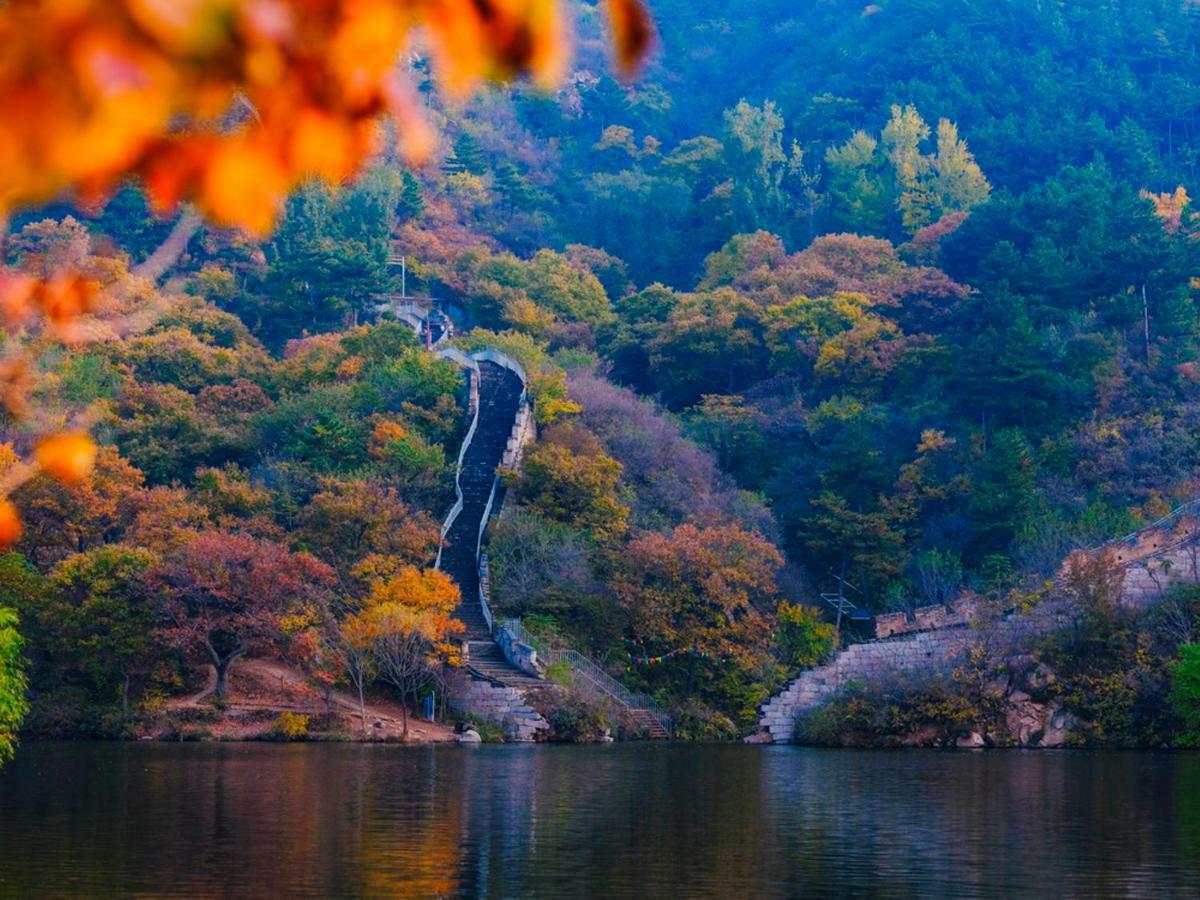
(485, 578)
(584, 668)
(1166, 523)
(458, 491)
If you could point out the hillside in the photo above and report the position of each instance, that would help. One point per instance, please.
(902, 303)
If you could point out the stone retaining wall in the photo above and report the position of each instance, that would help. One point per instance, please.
(517, 652)
(505, 706)
(923, 654)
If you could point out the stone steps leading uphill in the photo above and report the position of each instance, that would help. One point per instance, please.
(499, 401)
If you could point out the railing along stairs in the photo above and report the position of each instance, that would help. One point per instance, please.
(1187, 514)
(589, 677)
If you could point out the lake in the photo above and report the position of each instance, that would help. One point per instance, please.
(616, 821)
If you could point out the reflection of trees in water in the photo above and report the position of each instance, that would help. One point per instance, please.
(252, 820)
(614, 821)
(1001, 823)
(410, 828)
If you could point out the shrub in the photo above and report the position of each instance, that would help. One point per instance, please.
(802, 637)
(559, 673)
(291, 726)
(575, 719)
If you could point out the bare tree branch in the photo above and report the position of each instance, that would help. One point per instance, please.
(168, 252)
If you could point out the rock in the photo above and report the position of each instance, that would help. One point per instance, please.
(973, 741)
(1039, 677)
(926, 736)
(759, 737)
(1060, 725)
(470, 736)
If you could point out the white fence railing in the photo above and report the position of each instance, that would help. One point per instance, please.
(589, 676)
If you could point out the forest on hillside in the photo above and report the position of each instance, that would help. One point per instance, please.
(901, 296)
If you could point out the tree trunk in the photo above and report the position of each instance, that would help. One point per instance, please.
(125, 696)
(222, 668)
(404, 716)
(362, 708)
(222, 665)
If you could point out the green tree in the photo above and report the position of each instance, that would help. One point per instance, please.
(1185, 693)
(802, 637)
(860, 190)
(13, 704)
(757, 163)
(958, 182)
(99, 615)
(1004, 498)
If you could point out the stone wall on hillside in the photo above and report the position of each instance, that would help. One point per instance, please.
(923, 654)
(963, 611)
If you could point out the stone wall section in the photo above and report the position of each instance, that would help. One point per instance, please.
(922, 654)
(963, 611)
(493, 702)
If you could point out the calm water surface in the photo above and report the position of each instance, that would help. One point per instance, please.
(621, 821)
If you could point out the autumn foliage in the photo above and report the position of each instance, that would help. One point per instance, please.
(227, 104)
(231, 102)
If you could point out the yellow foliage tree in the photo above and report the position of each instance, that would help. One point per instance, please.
(408, 620)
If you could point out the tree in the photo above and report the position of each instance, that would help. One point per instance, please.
(712, 343)
(1185, 693)
(353, 645)
(700, 592)
(223, 595)
(958, 182)
(409, 618)
(312, 112)
(902, 138)
(348, 520)
(1004, 497)
(866, 546)
(580, 489)
(861, 193)
(61, 519)
(99, 615)
(877, 185)
(228, 105)
(531, 557)
(328, 259)
(757, 162)
(802, 637)
(13, 704)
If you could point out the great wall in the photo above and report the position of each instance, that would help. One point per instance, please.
(502, 679)
(929, 641)
(503, 676)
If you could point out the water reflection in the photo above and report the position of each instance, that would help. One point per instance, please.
(258, 820)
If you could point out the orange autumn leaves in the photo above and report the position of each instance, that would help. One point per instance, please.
(60, 300)
(227, 104)
(230, 103)
(68, 457)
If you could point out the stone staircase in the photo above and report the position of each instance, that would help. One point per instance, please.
(924, 652)
(487, 661)
(651, 724)
(499, 399)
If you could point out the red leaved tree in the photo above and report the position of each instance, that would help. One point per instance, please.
(225, 595)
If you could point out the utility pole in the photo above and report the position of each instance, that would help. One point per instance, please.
(1146, 322)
